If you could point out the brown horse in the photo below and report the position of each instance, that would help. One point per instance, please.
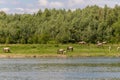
(6, 49)
(69, 48)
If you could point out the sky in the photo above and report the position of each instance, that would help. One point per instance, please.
(32, 6)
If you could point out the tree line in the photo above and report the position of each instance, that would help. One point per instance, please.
(90, 24)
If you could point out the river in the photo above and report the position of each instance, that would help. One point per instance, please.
(60, 69)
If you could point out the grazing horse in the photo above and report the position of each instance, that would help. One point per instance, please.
(61, 51)
(104, 42)
(99, 44)
(82, 42)
(6, 49)
(69, 48)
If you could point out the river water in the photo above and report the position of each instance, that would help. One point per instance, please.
(60, 69)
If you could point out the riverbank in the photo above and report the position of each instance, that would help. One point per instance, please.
(31, 56)
(53, 56)
(50, 50)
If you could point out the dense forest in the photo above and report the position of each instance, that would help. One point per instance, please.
(90, 24)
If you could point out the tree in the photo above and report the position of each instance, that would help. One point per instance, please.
(116, 29)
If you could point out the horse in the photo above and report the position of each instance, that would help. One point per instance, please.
(104, 42)
(61, 51)
(82, 42)
(6, 49)
(69, 48)
(99, 43)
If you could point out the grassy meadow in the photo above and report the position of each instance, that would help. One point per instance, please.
(50, 50)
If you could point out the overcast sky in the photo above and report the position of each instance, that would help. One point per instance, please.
(31, 6)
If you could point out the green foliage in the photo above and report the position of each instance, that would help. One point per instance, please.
(116, 29)
(90, 24)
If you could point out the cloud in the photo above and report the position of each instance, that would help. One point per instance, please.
(50, 4)
(72, 3)
(25, 10)
(2, 2)
(56, 4)
(15, 2)
(31, 6)
(5, 9)
(43, 3)
(19, 9)
(84, 3)
(102, 3)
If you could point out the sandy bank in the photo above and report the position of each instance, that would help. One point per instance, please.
(31, 56)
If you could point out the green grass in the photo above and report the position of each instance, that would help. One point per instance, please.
(51, 50)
